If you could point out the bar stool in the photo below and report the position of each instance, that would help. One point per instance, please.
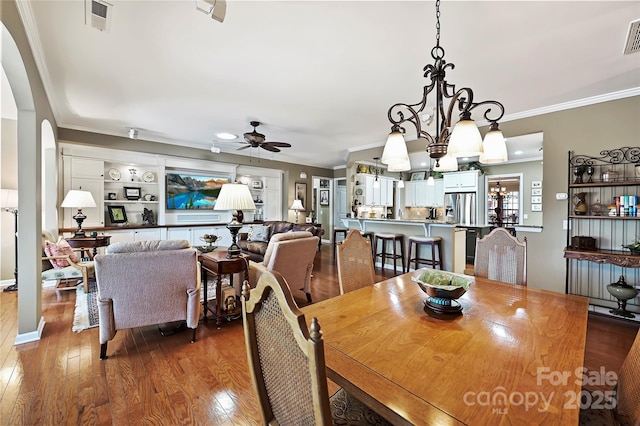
(383, 255)
(338, 230)
(368, 235)
(428, 241)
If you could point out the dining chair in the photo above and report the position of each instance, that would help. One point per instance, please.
(355, 264)
(627, 395)
(502, 257)
(286, 361)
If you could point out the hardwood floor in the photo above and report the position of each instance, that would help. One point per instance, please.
(165, 380)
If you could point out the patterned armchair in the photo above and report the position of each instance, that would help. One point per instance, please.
(61, 264)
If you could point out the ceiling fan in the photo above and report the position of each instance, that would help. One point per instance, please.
(257, 140)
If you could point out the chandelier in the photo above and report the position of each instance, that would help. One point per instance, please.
(464, 140)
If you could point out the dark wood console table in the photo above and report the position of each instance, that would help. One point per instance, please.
(217, 262)
(86, 243)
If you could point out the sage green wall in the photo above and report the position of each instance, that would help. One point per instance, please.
(586, 130)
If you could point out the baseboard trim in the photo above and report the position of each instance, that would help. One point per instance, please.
(31, 336)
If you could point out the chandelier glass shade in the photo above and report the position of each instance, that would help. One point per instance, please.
(395, 154)
(401, 181)
(465, 139)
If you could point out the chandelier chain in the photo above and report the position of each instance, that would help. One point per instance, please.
(437, 23)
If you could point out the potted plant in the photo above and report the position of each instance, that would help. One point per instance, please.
(634, 247)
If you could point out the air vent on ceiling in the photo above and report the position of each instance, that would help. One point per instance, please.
(633, 38)
(98, 14)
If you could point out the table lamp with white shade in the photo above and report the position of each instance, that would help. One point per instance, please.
(76, 198)
(9, 203)
(234, 196)
(297, 206)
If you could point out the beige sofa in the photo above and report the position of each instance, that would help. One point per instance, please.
(291, 254)
(145, 283)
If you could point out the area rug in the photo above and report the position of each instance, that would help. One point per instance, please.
(86, 312)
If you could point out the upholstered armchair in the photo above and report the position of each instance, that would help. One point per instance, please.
(60, 263)
(291, 254)
(145, 283)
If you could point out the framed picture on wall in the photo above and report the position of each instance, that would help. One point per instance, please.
(536, 207)
(301, 193)
(536, 191)
(117, 214)
(536, 184)
(536, 200)
(324, 197)
(417, 176)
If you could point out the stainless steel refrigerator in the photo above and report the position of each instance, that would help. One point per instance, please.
(463, 207)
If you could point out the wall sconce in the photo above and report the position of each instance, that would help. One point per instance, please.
(303, 175)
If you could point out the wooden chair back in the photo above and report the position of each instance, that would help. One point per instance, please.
(355, 264)
(501, 257)
(286, 360)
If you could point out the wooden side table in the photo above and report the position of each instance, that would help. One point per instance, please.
(89, 243)
(217, 262)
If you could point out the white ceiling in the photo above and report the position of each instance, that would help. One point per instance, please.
(319, 75)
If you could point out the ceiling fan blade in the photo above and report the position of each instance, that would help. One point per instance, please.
(269, 147)
(279, 144)
(243, 147)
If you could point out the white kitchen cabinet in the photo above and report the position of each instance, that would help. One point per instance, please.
(435, 194)
(419, 194)
(465, 181)
(382, 196)
(193, 234)
(88, 168)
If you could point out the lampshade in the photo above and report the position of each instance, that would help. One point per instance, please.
(79, 199)
(448, 163)
(297, 205)
(395, 153)
(234, 196)
(494, 147)
(465, 140)
(376, 183)
(9, 198)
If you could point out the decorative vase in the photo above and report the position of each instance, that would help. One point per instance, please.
(578, 171)
(581, 206)
(623, 292)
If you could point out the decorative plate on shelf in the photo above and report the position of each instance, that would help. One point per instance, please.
(359, 191)
(114, 174)
(148, 177)
(148, 197)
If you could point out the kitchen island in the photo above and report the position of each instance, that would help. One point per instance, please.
(453, 238)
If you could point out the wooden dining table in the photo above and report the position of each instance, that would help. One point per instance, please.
(514, 355)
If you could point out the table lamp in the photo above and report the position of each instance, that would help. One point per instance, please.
(297, 206)
(78, 199)
(234, 196)
(9, 203)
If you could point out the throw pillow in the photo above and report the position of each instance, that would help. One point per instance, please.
(61, 249)
(258, 233)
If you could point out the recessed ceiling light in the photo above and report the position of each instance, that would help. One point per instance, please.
(423, 164)
(465, 159)
(517, 152)
(226, 136)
